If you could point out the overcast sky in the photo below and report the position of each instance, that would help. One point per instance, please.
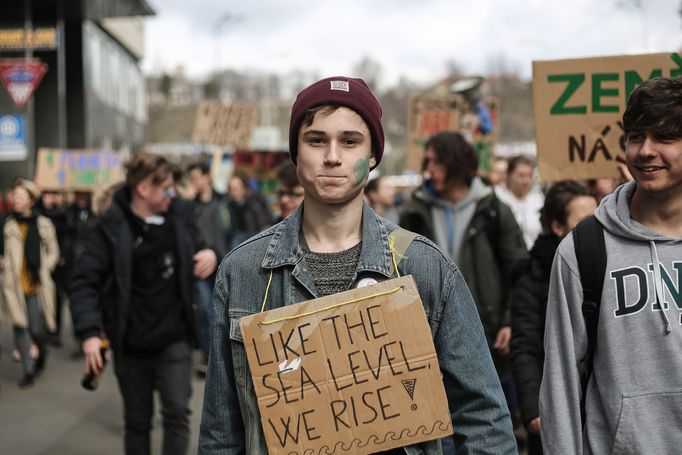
(413, 38)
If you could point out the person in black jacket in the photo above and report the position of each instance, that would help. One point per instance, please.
(566, 204)
(248, 210)
(134, 283)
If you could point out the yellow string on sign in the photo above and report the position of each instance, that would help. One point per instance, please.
(391, 246)
(330, 307)
(267, 290)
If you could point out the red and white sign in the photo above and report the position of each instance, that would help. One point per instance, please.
(21, 77)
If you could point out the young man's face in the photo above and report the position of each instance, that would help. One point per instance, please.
(437, 171)
(236, 189)
(334, 156)
(498, 173)
(520, 180)
(655, 165)
(577, 210)
(200, 181)
(157, 197)
(384, 194)
(289, 198)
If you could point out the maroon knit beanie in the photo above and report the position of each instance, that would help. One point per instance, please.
(349, 92)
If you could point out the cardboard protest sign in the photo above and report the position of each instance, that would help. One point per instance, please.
(428, 115)
(431, 114)
(225, 123)
(354, 372)
(578, 106)
(78, 170)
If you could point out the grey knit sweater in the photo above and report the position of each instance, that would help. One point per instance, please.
(332, 272)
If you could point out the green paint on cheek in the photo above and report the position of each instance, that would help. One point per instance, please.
(361, 170)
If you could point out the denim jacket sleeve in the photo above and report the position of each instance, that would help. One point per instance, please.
(480, 417)
(222, 429)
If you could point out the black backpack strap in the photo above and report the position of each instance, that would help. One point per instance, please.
(590, 252)
(493, 225)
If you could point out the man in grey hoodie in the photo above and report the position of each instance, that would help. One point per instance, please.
(455, 209)
(634, 394)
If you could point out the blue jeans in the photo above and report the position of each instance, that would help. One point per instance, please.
(205, 316)
(169, 371)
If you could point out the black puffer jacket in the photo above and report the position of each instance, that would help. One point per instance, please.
(529, 306)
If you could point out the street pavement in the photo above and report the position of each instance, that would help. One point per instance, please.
(58, 417)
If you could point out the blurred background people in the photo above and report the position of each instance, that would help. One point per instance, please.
(498, 171)
(134, 283)
(462, 215)
(78, 218)
(380, 195)
(212, 216)
(289, 190)
(248, 210)
(31, 254)
(566, 204)
(519, 195)
(52, 204)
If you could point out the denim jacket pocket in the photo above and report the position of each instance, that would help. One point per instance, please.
(240, 365)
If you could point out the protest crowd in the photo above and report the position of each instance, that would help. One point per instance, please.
(553, 307)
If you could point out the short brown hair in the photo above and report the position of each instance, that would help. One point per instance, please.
(519, 160)
(655, 107)
(145, 164)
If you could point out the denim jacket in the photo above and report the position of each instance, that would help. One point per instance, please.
(231, 422)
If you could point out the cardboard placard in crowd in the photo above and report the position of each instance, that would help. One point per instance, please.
(426, 116)
(578, 106)
(225, 123)
(77, 170)
(354, 372)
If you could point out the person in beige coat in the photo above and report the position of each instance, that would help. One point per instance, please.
(31, 253)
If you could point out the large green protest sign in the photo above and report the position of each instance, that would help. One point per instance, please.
(578, 106)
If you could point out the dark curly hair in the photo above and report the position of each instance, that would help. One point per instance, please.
(655, 107)
(455, 154)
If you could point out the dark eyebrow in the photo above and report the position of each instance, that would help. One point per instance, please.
(314, 133)
(352, 133)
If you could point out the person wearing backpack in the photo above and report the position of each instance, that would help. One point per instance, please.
(455, 209)
(461, 214)
(612, 380)
(566, 203)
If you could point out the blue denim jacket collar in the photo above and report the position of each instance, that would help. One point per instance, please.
(285, 248)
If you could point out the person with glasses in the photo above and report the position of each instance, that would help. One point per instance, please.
(290, 192)
(134, 283)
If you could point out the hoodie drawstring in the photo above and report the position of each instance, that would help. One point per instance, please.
(658, 285)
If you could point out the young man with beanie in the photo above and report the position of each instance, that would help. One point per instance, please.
(328, 245)
(134, 283)
(632, 398)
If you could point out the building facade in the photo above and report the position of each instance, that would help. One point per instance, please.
(93, 92)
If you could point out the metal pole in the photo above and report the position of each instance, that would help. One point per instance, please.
(61, 75)
(30, 120)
